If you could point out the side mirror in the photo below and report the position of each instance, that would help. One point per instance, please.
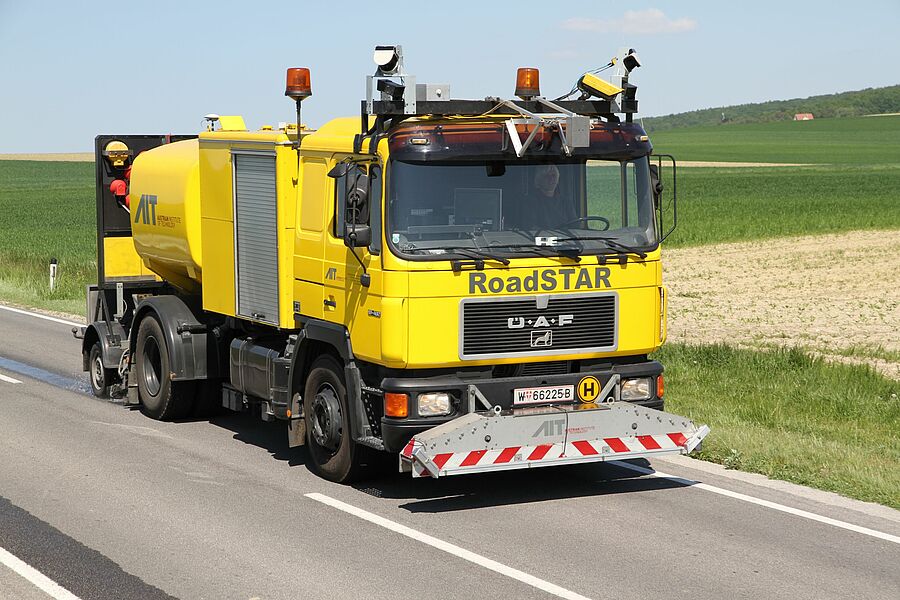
(355, 207)
(339, 170)
(656, 183)
(357, 236)
(357, 199)
(663, 184)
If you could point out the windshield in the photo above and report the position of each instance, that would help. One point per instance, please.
(511, 208)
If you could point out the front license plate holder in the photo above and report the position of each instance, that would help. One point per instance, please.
(545, 394)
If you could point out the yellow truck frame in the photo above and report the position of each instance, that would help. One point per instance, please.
(376, 282)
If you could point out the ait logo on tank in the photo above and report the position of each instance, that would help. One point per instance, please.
(146, 210)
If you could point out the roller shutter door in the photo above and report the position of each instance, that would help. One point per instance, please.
(256, 236)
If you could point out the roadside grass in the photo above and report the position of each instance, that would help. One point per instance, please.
(848, 141)
(871, 351)
(47, 211)
(791, 416)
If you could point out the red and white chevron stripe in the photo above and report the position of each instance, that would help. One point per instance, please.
(545, 453)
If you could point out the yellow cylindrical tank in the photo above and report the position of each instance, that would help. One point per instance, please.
(165, 212)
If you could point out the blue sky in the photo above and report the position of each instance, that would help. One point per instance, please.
(71, 70)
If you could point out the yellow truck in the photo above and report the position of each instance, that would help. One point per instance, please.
(470, 285)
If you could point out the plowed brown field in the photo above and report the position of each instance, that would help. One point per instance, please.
(835, 295)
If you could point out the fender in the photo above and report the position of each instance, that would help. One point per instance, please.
(187, 339)
(337, 337)
(333, 334)
(111, 336)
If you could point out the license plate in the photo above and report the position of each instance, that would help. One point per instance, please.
(551, 393)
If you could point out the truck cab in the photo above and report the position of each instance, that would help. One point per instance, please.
(525, 272)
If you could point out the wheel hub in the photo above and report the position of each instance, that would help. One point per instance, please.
(152, 366)
(327, 420)
(97, 372)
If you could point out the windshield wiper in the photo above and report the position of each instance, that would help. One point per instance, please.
(613, 244)
(572, 252)
(478, 254)
(473, 253)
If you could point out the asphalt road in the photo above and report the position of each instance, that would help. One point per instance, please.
(109, 504)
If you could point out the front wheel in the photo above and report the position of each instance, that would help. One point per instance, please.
(333, 453)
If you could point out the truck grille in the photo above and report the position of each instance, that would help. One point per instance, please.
(517, 327)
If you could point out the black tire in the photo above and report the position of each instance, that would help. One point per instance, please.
(336, 459)
(161, 398)
(100, 377)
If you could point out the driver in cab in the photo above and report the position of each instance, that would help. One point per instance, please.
(548, 207)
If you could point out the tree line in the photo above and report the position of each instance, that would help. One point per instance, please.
(846, 104)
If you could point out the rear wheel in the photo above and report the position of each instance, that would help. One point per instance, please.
(334, 455)
(100, 376)
(161, 398)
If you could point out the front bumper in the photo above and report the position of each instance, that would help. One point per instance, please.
(548, 436)
(479, 394)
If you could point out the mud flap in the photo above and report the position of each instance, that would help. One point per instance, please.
(546, 436)
(296, 423)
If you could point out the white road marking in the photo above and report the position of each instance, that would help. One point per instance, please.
(8, 379)
(757, 480)
(449, 548)
(760, 502)
(40, 316)
(35, 577)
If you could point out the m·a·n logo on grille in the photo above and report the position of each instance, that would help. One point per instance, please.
(146, 210)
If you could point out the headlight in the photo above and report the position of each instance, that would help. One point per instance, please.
(435, 404)
(636, 389)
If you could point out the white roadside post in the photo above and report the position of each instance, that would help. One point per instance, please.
(53, 266)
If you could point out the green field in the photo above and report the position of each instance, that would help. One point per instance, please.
(729, 205)
(47, 208)
(47, 211)
(859, 141)
(714, 205)
(855, 183)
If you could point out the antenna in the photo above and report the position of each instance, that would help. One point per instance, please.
(211, 120)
